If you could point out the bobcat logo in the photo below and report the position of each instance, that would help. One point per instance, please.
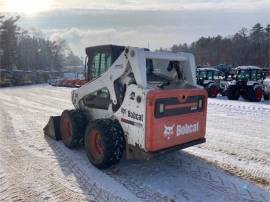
(168, 131)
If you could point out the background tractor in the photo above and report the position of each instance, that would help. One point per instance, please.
(248, 83)
(212, 80)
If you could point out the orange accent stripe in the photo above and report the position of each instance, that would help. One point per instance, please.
(181, 105)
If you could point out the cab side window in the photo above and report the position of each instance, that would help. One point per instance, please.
(202, 75)
(243, 75)
(210, 75)
(217, 75)
(254, 74)
(259, 75)
(105, 62)
(95, 66)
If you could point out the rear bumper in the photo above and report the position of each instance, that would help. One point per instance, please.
(133, 152)
(182, 146)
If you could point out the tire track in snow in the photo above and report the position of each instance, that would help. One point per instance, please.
(15, 168)
(138, 188)
(181, 165)
(258, 112)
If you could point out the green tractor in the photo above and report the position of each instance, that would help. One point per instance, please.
(212, 80)
(249, 83)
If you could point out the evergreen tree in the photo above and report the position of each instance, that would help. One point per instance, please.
(9, 32)
(243, 48)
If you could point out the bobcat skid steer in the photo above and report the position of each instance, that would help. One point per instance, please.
(137, 102)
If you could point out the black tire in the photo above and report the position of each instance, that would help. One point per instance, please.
(255, 93)
(212, 91)
(233, 92)
(104, 143)
(223, 92)
(72, 127)
(266, 96)
(245, 94)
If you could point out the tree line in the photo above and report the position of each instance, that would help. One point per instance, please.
(246, 47)
(20, 49)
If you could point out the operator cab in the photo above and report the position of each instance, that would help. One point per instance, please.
(161, 73)
(100, 58)
(208, 74)
(249, 73)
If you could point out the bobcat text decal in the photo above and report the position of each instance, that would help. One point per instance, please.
(185, 129)
(134, 115)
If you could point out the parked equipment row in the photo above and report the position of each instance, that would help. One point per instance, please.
(21, 77)
(247, 81)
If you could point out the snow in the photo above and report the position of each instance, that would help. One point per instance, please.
(238, 138)
(37, 168)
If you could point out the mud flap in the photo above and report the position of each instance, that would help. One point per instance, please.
(52, 129)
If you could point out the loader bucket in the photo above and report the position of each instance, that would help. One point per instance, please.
(52, 129)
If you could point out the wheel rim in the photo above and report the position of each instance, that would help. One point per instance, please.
(95, 144)
(258, 93)
(67, 130)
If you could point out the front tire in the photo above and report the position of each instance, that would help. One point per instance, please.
(72, 127)
(212, 91)
(104, 143)
(233, 93)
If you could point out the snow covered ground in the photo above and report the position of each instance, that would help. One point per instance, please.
(36, 168)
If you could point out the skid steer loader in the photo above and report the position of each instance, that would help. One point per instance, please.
(137, 102)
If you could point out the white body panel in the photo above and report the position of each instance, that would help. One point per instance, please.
(252, 83)
(132, 111)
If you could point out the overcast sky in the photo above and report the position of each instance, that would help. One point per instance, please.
(161, 23)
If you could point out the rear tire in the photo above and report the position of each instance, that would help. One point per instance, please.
(72, 127)
(233, 93)
(104, 143)
(212, 91)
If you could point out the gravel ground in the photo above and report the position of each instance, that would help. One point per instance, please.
(36, 168)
